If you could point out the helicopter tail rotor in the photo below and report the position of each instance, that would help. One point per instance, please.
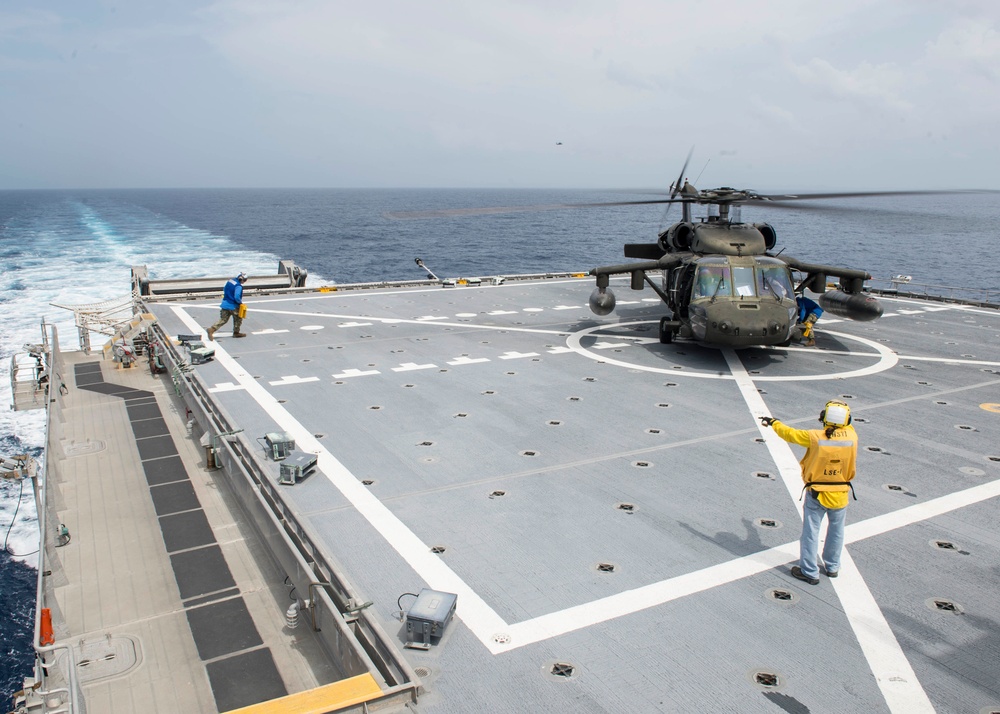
(675, 188)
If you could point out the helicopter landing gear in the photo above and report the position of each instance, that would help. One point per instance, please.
(666, 331)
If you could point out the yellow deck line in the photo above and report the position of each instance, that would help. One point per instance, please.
(328, 698)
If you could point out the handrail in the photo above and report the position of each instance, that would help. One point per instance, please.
(72, 690)
(903, 286)
(401, 678)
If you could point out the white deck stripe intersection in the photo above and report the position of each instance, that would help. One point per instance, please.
(886, 659)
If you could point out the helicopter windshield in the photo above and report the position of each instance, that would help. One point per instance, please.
(743, 281)
(713, 279)
(773, 279)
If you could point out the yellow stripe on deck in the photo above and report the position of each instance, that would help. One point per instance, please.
(328, 698)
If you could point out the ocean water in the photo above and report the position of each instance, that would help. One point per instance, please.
(77, 247)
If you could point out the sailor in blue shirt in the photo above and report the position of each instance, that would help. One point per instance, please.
(809, 313)
(232, 299)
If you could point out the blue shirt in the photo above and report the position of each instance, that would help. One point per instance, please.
(808, 307)
(232, 295)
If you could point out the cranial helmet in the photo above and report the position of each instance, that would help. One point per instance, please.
(835, 414)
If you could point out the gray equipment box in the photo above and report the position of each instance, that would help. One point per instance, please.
(199, 353)
(279, 444)
(428, 616)
(296, 465)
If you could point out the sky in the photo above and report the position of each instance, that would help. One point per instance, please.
(770, 95)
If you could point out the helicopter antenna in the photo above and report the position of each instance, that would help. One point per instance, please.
(702, 171)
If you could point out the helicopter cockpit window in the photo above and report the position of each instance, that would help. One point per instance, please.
(773, 280)
(743, 282)
(713, 280)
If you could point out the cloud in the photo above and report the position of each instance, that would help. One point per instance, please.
(333, 92)
(867, 83)
(968, 45)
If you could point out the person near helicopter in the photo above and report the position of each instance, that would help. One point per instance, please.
(809, 313)
(828, 467)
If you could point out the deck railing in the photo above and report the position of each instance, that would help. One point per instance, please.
(355, 639)
(57, 688)
(903, 286)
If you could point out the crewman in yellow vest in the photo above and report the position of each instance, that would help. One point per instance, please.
(827, 469)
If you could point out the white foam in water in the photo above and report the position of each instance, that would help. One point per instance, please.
(73, 252)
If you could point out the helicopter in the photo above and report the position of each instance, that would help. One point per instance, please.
(721, 282)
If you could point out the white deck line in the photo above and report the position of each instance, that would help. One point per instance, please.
(893, 672)
(473, 610)
(887, 359)
(341, 292)
(437, 322)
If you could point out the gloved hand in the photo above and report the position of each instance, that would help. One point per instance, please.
(766, 421)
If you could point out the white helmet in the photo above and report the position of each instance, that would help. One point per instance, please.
(835, 414)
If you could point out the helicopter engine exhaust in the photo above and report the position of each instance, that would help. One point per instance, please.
(856, 306)
(602, 301)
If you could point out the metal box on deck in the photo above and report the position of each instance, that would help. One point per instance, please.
(296, 465)
(428, 616)
(279, 444)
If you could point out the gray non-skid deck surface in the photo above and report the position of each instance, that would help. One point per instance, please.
(443, 398)
(222, 629)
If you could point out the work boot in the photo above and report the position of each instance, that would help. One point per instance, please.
(239, 334)
(211, 332)
(797, 573)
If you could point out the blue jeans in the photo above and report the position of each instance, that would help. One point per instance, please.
(812, 518)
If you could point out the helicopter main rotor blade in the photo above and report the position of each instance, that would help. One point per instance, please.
(710, 196)
(497, 210)
(850, 194)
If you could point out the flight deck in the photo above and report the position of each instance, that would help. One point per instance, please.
(616, 527)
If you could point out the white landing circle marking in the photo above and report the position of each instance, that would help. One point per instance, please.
(887, 359)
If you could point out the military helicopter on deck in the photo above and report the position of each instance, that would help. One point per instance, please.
(719, 279)
(722, 284)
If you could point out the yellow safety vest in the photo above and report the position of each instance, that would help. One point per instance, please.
(829, 464)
